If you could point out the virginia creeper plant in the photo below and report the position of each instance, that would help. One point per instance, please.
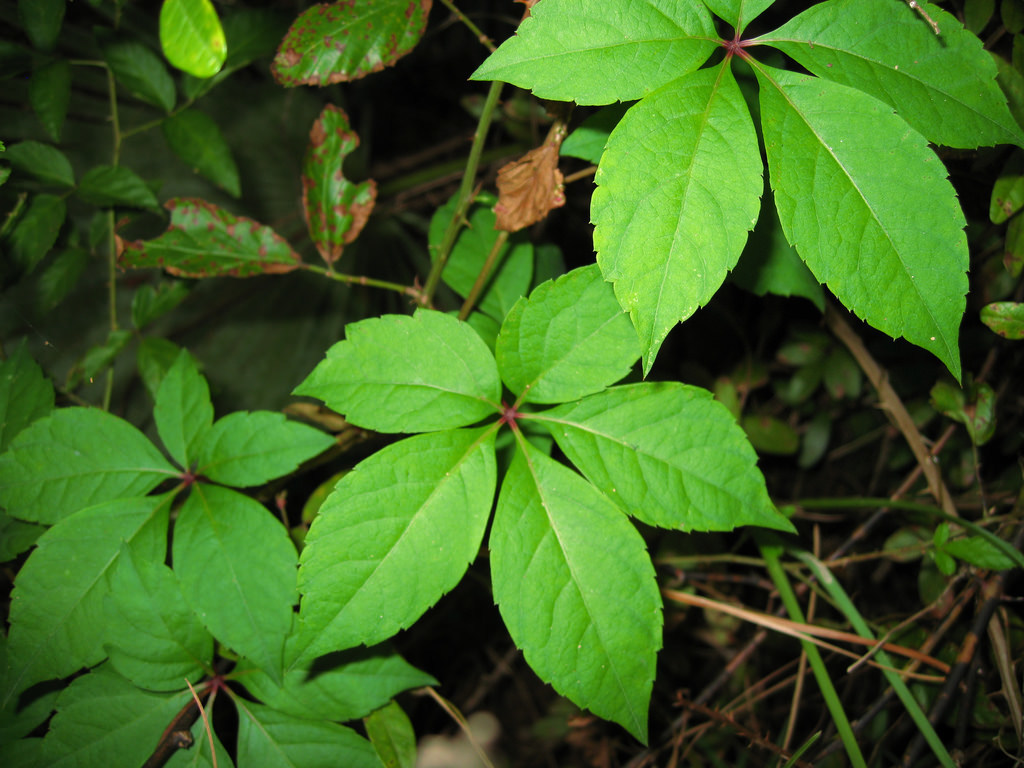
(151, 575)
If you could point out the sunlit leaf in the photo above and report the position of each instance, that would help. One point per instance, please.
(191, 36)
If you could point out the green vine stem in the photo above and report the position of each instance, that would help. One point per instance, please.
(405, 290)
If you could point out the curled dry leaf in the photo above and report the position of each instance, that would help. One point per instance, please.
(528, 188)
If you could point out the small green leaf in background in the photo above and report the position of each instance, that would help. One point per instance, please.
(588, 141)
(191, 36)
(973, 406)
(44, 162)
(397, 373)
(887, 238)
(246, 449)
(336, 209)
(151, 303)
(1005, 318)
(138, 69)
(569, 339)
(197, 140)
(342, 41)
(340, 687)
(97, 359)
(16, 536)
(513, 265)
(42, 20)
(272, 739)
(152, 637)
(60, 276)
(398, 532)
(977, 14)
(49, 93)
(154, 359)
(183, 412)
(203, 240)
(57, 607)
(103, 719)
(629, 49)
(37, 230)
(391, 734)
(1012, 14)
(73, 458)
(109, 185)
(978, 551)
(576, 588)
(769, 435)
(1008, 191)
(668, 454)
(737, 13)
(25, 394)
(236, 566)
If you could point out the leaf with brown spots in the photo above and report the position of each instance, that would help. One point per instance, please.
(336, 209)
(203, 240)
(528, 188)
(337, 42)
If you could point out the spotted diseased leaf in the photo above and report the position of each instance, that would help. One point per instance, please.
(338, 42)
(336, 208)
(203, 240)
(1005, 318)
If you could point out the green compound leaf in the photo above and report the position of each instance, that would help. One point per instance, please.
(513, 270)
(152, 637)
(191, 36)
(44, 162)
(37, 230)
(339, 687)
(49, 93)
(57, 607)
(73, 458)
(110, 185)
(942, 85)
(336, 209)
(183, 411)
(338, 42)
(236, 566)
(868, 207)
(738, 13)
(408, 374)
(678, 189)
(576, 589)
(103, 719)
(397, 533)
(25, 394)
(568, 339)
(272, 739)
(203, 240)
(597, 53)
(668, 454)
(139, 69)
(245, 449)
(196, 139)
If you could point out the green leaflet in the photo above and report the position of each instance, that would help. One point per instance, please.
(139, 70)
(203, 240)
(391, 734)
(339, 687)
(73, 458)
(42, 20)
(893, 249)
(152, 637)
(397, 533)
(668, 454)
(37, 230)
(408, 374)
(336, 209)
(597, 53)
(199, 754)
(25, 394)
(44, 162)
(576, 589)
(183, 412)
(236, 566)
(191, 36)
(338, 42)
(49, 92)
(57, 607)
(513, 266)
(103, 719)
(738, 13)
(588, 141)
(678, 189)
(568, 339)
(198, 141)
(246, 449)
(271, 739)
(943, 85)
(107, 186)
